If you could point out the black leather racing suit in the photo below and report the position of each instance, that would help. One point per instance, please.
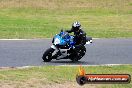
(80, 37)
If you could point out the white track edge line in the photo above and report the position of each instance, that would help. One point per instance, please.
(64, 65)
(34, 39)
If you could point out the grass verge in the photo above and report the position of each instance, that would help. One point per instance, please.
(45, 18)
(40, 77)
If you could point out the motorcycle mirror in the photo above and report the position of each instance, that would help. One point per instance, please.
(61, 30)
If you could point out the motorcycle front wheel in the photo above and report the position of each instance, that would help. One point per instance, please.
(47, 56)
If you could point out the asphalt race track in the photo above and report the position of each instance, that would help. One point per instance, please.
(19, 53)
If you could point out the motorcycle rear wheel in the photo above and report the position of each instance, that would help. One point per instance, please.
(82, 52)
(73, 56)
(77, 54)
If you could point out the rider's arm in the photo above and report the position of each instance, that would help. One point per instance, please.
(69, 31)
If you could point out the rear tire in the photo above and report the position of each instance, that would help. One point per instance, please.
(82, 52)
(73, 55)
(77, 54)
(47, 56)
(74, 58)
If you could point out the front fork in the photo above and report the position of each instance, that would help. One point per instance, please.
(54, 47)
(56, 53)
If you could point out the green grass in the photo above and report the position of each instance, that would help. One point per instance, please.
(36, 76)
(44, 18)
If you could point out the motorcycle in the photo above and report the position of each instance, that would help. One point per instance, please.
(63, 48)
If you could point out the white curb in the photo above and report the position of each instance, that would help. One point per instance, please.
(34, 39)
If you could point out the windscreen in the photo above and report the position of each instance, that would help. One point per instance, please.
(64, 35)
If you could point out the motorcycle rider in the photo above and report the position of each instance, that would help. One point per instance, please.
(80, 38)
(80, 35)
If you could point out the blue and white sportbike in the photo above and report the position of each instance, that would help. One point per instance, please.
(63, 48)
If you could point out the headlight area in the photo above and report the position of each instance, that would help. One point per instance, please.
(56, 41)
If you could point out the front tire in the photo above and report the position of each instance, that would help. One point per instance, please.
(47, 56)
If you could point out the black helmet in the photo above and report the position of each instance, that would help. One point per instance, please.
(76, 26)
